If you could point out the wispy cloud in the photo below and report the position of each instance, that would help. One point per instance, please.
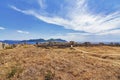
(22, 32)
(80, 37)
(42, 4)
(111, 32)
(2, 28)
(80, 18)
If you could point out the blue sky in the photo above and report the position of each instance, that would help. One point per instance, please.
(79, 20)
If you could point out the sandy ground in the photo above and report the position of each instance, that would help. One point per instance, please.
(78, 63)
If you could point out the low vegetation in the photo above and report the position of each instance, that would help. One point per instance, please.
(49, 75)
(12, 72)
(29, 62)
(8, 47)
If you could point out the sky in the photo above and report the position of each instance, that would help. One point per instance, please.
(78, 20)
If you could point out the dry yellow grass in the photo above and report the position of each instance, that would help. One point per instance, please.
(80, 63)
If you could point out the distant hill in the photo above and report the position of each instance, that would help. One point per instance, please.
(56, 40)
(11, 41)
(32, 41)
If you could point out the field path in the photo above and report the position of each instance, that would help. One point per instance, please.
(94, 56)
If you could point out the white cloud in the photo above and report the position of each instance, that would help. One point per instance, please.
(112, 32)
(23, 32)
(42, 4)
(2, 28)
(79, 18)
(71, 36)
(80, 37)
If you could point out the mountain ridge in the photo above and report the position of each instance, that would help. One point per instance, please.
(32, 41)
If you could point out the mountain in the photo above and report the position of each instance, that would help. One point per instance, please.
(56, 40)
(11, 41)
(32, 41)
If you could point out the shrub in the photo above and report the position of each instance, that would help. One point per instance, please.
(8, 47)
(25, 46)
(49, 75)
(12, 72)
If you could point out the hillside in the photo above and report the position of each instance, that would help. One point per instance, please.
(79, 63)
(32, 41)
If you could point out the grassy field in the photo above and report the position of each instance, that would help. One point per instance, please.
(79, 63)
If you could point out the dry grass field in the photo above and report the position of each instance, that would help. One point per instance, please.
(79, 63)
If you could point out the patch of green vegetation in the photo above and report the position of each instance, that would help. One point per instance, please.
(25, 46)
(9, 47)
(14, 71)
(49, 75)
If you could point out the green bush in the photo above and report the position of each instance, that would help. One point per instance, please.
(8, 47)
(49, 75)
(12, 72)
